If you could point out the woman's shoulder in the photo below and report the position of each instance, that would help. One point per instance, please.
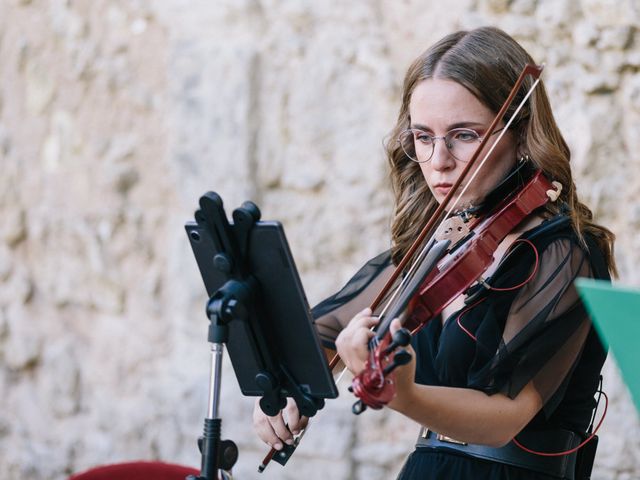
(557, 234)
(551, 229)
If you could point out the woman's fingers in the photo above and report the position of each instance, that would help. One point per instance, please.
(263, 428)
(271, 430)
(395, 326)
(302, 424)
(363, 319)
(280, 429)
(352, 343)
(294, 421)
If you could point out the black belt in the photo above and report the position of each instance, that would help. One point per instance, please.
(562, 466)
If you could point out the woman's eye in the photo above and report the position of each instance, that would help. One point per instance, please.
(423, 137)
(465, 136)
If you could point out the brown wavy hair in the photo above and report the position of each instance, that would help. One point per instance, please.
(487, 62)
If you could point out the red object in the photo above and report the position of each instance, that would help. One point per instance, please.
(137, 471)
(454, 274)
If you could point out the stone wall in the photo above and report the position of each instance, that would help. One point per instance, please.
(116, 115)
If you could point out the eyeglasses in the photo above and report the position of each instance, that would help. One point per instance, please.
(419, 146)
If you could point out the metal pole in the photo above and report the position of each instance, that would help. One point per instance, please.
(217, 349)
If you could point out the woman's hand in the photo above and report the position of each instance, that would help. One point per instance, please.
(279, 429)
(352, 343)
(404, 375)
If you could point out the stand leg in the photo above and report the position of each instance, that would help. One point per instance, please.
(210, 444)
(212, 424)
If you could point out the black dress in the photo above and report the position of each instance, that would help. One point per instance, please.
(502, 340)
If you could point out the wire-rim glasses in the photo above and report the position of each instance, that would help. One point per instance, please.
(419, 145)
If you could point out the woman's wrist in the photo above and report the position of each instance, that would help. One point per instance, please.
(404, 398)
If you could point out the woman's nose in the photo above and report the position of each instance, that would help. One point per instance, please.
(442, 158)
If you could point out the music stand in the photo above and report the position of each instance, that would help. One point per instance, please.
(257, 308)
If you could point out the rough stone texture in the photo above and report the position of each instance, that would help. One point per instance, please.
(115, 116)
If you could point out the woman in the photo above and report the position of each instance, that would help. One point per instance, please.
(521, 359)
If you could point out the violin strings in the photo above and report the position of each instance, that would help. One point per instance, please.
(412, 268)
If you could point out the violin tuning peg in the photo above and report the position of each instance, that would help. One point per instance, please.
(402, 337)
(401, 357)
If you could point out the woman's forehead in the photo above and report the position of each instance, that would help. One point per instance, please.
(439, 101)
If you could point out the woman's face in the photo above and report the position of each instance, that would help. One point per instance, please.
(438, 106)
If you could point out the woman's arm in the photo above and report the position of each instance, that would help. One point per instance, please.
(467, 415)
(461, 413)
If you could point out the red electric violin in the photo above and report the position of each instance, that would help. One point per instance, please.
(445, 273)
(445, 268)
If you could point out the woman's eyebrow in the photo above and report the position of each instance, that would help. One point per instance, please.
(466, 124)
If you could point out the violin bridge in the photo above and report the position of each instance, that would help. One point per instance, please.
(453, 228)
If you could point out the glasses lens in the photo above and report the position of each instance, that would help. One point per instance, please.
(406, 142)
(417, 149)
(462, 143)
(419, 146)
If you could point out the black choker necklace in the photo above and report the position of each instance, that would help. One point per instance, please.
(512, 182)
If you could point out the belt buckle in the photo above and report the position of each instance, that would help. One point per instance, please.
(440, 437)
(444, 438)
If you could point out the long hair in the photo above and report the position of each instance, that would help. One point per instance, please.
(487, 62)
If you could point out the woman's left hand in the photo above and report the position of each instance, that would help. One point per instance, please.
(404, 374)
(353, 342)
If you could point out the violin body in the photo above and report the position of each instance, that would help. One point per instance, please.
(459, 269)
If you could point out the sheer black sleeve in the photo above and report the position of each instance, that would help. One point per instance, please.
(544, 327)
(334, 313)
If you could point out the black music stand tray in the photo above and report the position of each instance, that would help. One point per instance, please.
(257, 308)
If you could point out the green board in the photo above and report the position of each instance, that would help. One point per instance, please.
(615, 312)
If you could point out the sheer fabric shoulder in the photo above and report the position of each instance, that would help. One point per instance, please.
(334, 313)
(544, 329)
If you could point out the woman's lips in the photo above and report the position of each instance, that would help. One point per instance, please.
(442, 188)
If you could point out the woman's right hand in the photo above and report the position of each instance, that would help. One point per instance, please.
(279, 429)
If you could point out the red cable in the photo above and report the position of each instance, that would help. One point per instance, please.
(473, 337)
(535, 267)
(489, 287)
(495, 289)
(558, 454)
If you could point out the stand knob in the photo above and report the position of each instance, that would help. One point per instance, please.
(228, 455)
(271, 402)
(223, 262)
